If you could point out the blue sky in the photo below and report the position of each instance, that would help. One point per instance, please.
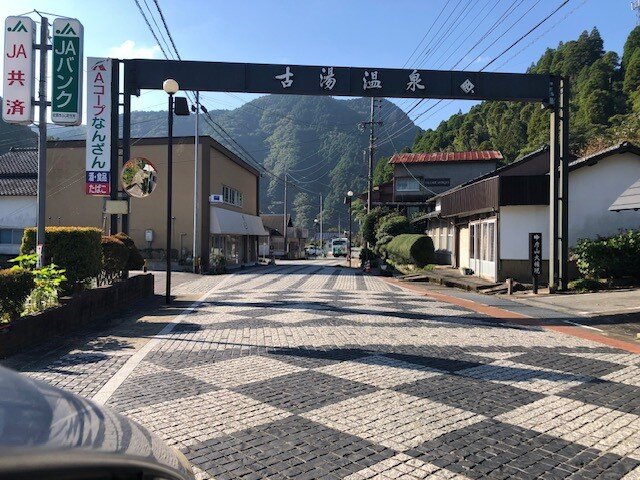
(336, 32)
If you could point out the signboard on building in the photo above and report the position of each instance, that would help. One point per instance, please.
(98, 146)
(67, 65)
(437, 182)
(215, 198)
(19, 69)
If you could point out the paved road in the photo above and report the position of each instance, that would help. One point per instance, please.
(312, 371)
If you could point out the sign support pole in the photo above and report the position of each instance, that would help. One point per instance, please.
(126, 132)
(43, 46)
(554, 163)
(563, 194)
(115, 168)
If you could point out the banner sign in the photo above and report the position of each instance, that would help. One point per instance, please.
(535, 253)
(98, 146)
(19, 69)
(437, 182)
(66, 93)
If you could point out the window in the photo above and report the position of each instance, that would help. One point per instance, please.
(407, 184)
(11, 236)
(232, 196)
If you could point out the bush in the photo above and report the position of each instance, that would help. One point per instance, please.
(15, 286)
(585, 285)
(609, 257)
(393, 225)
(218, 264)
(414, 249)
(369, 224)
(135, 260)
(77, 250)
(367, 254)
(115, 255)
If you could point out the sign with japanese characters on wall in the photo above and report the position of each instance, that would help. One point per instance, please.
(535, 253)
(98, 127)
(18, 71)
(67, 66)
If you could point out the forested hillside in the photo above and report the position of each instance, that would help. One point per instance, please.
(605, 104)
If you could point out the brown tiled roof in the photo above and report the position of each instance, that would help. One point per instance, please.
(472, 156)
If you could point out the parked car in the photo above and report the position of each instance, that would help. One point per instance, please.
(49, 433)
(313, 251)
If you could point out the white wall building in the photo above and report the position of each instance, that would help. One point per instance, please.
(484, 224)
(18, 201)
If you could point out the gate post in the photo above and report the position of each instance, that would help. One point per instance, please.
(563, 193)
(554, 161)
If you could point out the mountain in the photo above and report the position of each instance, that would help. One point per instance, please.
(316, 139)
(605, 105)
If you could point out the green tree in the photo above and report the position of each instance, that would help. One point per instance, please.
(305, 209)
(383, 172)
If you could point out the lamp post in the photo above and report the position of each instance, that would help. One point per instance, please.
(170, 86)
(350, 197)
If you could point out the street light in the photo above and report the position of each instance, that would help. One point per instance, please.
(350, 197)
(171, 87)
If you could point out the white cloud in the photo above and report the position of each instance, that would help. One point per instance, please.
(128, 49)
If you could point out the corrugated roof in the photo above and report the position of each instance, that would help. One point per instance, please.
(18, 187)
(19, 161)
(471, 156)
(628, 200)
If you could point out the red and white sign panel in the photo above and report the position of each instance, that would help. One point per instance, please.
(19, 69)
(98, 127)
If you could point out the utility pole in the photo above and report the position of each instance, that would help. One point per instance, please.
(284, 220)
(42, 139)
(196, 193)
(372, 138)
(321, 237)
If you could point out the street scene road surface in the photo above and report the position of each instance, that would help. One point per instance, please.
(311, 370)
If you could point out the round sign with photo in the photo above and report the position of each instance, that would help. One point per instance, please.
(139, 177)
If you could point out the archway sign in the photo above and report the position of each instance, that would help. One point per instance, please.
(551, 91)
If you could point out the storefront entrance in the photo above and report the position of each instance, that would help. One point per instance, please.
(482, 248)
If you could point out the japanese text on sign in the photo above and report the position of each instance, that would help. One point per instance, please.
(98, 156)
(535, 253)
(66, 94)
(18, 71)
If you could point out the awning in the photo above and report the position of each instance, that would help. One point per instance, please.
(228, 222)
(629, 200)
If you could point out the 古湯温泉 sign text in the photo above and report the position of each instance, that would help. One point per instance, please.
(67, 66)
(98, 149)
(18, 70)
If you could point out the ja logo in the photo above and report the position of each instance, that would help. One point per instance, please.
(67, 30)
(19, 27)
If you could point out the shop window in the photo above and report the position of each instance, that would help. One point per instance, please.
(11, 236)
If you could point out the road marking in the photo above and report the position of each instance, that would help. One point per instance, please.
(121, 375)
(583, 326)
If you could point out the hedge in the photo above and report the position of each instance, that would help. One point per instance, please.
(369, 224)
(411, 249)
(135, 260)
(76, 249)
(115, 255)
(393, 224)
(15, 286)
(609, 257)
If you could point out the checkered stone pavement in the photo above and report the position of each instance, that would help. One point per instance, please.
(316, 372)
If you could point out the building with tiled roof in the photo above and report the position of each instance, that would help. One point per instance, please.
(18, 202)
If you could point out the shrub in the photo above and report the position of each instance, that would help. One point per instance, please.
(585, 285)
(392, 225)
(218, 264)
(135, 260)
(75, 249)
(366, 254)
(114, 256)
(15, 286)
(609, 257)
(369, 224)
(414, 249)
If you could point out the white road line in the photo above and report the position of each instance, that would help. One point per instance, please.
(583, 326)
(121, 375)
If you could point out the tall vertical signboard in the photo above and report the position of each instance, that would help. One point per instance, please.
(535, 257)
(98, 127)
(66, 90)
(19, 69)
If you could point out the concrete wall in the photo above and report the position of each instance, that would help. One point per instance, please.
(458, 172)
(18, 212)
(515, 223)
(463, 233)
